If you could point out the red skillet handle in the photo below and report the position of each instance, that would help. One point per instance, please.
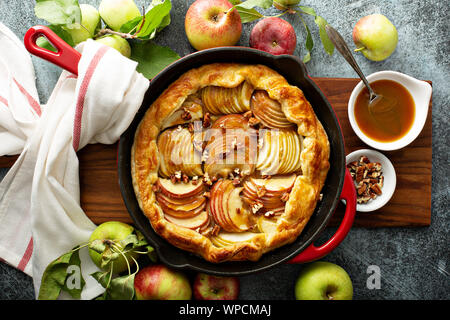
(66, 57)
(314, 253)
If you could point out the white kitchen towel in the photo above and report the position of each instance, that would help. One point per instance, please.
(40, 213)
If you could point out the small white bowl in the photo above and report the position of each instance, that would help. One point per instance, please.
(389, 183)
(421, 94)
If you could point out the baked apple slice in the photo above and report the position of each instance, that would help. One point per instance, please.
(298, 147)
(193, 223)
(268, 161)
(181, 213)
(221, 100)
(291, 156)
(186, 204)
(269, 192)
(224, 239)
(237, 213)
(278, 184)
(227, 208)
(269, 111)
(216, 195)
(181, 210)
(191, 110)
(231, 147)
(228, 224)
(280, 152)
(269, 202)
(267, 225)
(181, 189)
(177, 153)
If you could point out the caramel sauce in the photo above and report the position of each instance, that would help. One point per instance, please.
(392, 116)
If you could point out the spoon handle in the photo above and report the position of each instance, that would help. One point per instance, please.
(342, 47)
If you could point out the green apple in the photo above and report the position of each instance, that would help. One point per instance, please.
(323, 281)
(90, 23)
(116, 13)
(113, 230)
(284, 4)
(157, 282)
(375, 37)
(212, 23)
(116, 42)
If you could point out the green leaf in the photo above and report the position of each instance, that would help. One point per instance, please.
(309, 44)
(327, 44)
(102, 277)
(308, 10)
(249, 4)
(108, 256)
(151, 58)
(141, 241)
(121, 288)
(130, 242)
(131, 25)
(98, 246)
(248, 15)
(151, 253)
(58, 12)
(154, 18)
(55, 275)
(166, 20)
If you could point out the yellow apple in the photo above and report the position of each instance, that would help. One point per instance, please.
(375, 37)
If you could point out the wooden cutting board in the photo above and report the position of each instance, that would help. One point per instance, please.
(410, 205)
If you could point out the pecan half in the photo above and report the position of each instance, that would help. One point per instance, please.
(206, 120)
(186, 115)
(253, 122)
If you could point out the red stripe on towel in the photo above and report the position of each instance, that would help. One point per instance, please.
(4, 101)
(33, 103)
(26, 256)
(82, 94)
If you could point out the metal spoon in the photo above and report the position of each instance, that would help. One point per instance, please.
(342, 47)
(381, 108)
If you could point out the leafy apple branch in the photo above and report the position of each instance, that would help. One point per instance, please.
(117, 287)
(62, 15)
(248, 13)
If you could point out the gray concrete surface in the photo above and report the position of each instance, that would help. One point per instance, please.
(414, 262)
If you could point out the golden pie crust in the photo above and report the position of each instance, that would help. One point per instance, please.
(305, 192)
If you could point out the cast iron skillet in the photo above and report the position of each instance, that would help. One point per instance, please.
(338, 185)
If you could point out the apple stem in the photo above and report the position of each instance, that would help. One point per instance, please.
(117, 248)
(142, 22)
(230, 10)
(106, 31)
(360, 49)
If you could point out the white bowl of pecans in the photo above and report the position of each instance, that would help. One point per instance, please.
(374, 178)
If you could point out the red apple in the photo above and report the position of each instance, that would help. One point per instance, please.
(211, 23)
(209, 287)
(157, 282)
(273, 35)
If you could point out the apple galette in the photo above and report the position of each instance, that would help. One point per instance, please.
(229, 162)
